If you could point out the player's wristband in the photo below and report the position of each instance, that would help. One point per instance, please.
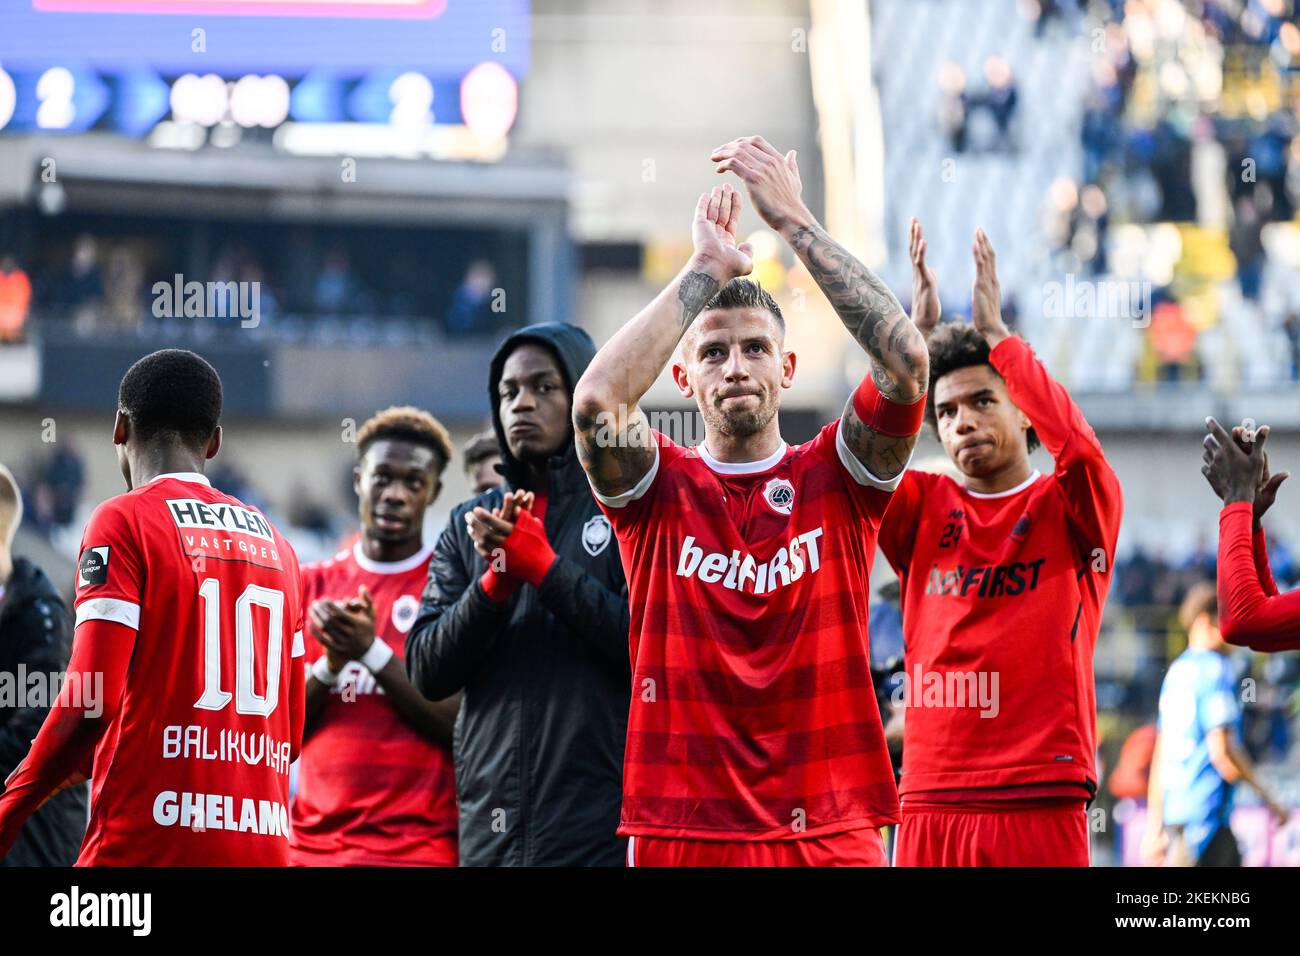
(498, 586)
(322, 672)
(886, 416)
(379, 655)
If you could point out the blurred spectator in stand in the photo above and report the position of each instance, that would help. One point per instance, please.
(471, 304)
(1060, 216)
(78, 292)
(15, 298)
(888, 676)
(953, 105)
(1100, 134)
(1135, 577)
(1171, 162)
(1173, 339)
(253, 277)
(1133, 768)
(1088, 240)
(1270, 149)
(1000, 98)
(123, 290)
(337, 290)
(1291, 326)
(226, 476)
(482, 454)
(59, 485)
(1285, 50)
(1247, 245)
(306, 513)
(1011, 312)
(1042, 13)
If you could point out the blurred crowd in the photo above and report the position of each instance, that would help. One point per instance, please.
(1191, 117)
(102, 285)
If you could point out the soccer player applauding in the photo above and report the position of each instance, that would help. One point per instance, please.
(754, 736)
(1004, 576)
(376, 785)
(1253, 613)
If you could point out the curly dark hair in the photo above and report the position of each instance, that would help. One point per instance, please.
(406, 423)
(170, 395)
(952, 346)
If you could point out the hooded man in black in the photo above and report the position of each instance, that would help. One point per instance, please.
(529, 618)
(35, 640)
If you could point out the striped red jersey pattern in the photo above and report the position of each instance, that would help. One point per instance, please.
(194, 769)
(371, 790)
(752, 716)
(1002, 598)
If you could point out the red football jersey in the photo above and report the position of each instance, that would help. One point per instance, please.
(1002, 596)
(753, 715)
(372, 791)
(194, 770)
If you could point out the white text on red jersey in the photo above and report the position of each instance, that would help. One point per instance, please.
(732, 571)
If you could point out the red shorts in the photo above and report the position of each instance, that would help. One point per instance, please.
(1036, 835)
(851, 848)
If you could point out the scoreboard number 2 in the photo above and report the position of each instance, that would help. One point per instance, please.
(247, 700)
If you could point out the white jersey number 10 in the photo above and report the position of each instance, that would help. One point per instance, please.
(247, 700)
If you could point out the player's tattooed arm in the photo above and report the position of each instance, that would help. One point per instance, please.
(885, 456)
(613, 436)
(615, 454)
(693, 293)
(899, 362)
(871, 313)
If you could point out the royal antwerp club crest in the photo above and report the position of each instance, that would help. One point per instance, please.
(404, 610)
(596, 534)
(779, 493)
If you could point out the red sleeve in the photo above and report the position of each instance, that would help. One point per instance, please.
(898, 526)
(66, 742)
(1088, 484)
(625, 511)
(1248, 614)
(868, 495)
(1261, 563)
(110, 568)
(297, 660)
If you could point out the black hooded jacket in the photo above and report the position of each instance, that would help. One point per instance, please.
(35, 633)
(546, 676)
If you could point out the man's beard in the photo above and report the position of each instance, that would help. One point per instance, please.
(741, 423)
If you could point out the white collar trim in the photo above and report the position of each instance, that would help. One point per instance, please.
(193, 476)
(1010, 491)
(390, 567)
(743, 467)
